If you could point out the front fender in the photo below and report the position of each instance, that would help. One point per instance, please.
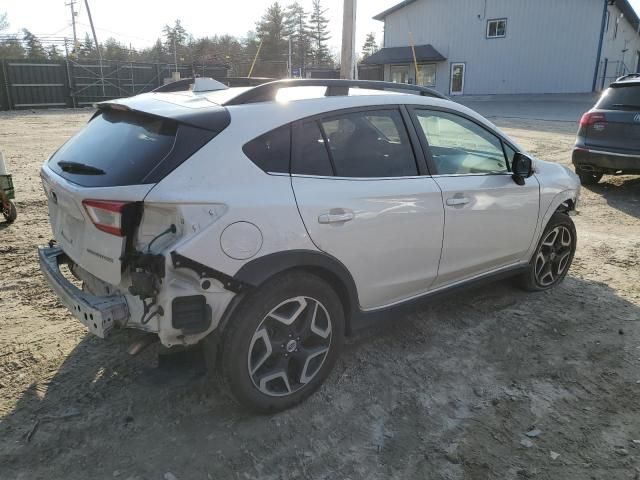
(565, 200)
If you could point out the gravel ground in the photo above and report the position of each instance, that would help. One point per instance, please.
(447, 392)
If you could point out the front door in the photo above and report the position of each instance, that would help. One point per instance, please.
(363, 201)
(457, 78)
(489, 220)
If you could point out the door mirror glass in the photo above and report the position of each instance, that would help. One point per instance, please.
(522, 167)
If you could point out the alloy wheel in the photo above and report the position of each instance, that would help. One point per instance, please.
(552, 259)
(289, 346)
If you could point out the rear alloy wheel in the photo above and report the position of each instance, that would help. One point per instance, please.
(589, 178)
(554, 254)
(282, 342)
(289, 346)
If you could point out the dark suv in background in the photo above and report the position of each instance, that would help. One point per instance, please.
(608, 140)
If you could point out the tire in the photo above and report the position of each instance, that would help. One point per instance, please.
(589, 178)
(268, 363)
(10, 214)
(553, 256)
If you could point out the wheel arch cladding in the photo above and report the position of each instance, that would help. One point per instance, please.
(328, 268)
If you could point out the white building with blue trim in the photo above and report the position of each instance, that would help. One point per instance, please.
(480, 47)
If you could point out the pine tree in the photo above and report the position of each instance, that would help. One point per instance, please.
(319, 33)
(4, 22)
(296, 29)
(87, 48)
(176, 33)
(370, 45)
(271, 31)
(34, 47)
(53, 53)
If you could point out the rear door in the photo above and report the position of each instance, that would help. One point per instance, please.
(619, 129)
(364, 200)
(489, 220)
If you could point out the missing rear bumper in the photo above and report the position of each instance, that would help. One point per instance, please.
(99, 314)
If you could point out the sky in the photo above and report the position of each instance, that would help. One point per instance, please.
(140, 22)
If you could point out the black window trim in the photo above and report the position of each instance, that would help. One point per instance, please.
(500, 19)
(414, 141)
(427, 151)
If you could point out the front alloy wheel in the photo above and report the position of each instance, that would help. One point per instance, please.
(553, 256)
(289, 346)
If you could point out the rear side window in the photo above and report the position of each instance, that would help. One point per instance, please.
(367, 144)
(271, 151)
(620, 98)
(115, 148)
(370, 144)
(312, 157)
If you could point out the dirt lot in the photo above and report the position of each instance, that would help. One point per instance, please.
(445, 393)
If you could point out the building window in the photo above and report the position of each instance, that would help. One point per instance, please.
(399, 73)
(427, 75)
(606, 21)
(497, 28)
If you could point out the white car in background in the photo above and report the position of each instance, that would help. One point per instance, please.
(272, 221)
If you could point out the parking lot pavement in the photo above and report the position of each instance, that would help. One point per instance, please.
(553, 107)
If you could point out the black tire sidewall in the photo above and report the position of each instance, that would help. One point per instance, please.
(237, 335)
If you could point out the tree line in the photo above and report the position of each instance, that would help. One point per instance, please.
(280, 29)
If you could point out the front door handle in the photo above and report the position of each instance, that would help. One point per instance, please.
(337, 215)
(452, 202)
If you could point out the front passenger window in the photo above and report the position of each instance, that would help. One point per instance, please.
(459, 146)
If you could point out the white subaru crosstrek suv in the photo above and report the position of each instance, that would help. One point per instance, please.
(272, 221)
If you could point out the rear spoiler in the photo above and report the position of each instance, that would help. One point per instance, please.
(186, 109)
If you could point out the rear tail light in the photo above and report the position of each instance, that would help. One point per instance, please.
(106, 215)
(591, 118)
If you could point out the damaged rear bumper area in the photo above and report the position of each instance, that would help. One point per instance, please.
(99, 314)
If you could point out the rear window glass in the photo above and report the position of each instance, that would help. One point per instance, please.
(271, 151)
(115, 148)
(312, 156)
(370, 144)
(620, 98)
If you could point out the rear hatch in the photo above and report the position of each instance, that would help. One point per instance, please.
(615, 121)
(97, 181)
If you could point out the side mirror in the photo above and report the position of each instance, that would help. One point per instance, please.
(522, 168)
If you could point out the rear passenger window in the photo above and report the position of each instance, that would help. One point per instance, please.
(370, 144)
(271, 151)
(312, 157)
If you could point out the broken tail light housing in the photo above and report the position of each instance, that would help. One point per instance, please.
(106, 215)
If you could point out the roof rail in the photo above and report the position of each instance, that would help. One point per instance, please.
(268, 91)
(627, 76)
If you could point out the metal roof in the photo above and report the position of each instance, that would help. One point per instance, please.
(624, 5)
(381, 16)
(424, 53)
(629, 12)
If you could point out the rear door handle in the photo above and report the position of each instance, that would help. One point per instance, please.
(452, 202)
(336, 216)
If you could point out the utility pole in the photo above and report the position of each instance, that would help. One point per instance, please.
(347, 57)
(290, 65)
(73, 23)
(95, 39)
